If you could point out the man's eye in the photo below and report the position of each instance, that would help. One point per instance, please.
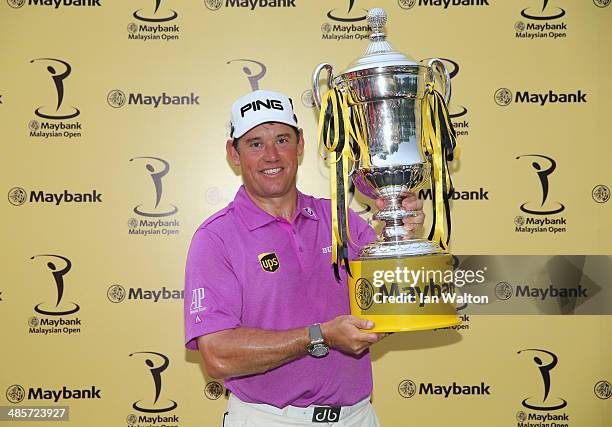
(283, 140)
(256, 145)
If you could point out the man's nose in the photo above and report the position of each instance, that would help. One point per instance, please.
(271, 152)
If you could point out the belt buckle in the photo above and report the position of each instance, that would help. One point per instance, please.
(326, 414)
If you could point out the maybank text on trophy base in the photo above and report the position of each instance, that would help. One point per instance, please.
(384, 121)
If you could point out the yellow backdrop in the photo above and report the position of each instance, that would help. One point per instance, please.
(113, 118)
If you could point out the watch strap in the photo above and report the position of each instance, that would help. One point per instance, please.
(315, 333)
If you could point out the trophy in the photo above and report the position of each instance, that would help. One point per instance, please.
(384, 122)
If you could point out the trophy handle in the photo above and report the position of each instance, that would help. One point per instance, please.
(441, 77)
(316, 94)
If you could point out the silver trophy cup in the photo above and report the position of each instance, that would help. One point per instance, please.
(387, 88)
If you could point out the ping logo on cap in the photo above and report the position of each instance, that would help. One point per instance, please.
(269, 261)
(270, 104)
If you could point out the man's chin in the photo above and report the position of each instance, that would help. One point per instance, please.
(273, 192)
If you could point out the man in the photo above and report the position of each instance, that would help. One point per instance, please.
(261, 302)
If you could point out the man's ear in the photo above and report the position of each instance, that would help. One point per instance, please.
(300, 147)
(232, 153)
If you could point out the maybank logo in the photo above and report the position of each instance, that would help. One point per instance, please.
(601, 193)
(214, 390)
(117, 293)
(52, 116)
(58, 267)
(17, 393)
(543, 209)
(153, 23)
(480, 194)
(269, 261)
(56, 4)
(155, 295)
(64, 393)
(504, 97)
(541, 407)
(364, 293)
(154, 216)
(117, 98)
(603, 389)
(349, 25)
(537, 26)
(215, 5)
(18, 196)
(145, 32)
(409, 4)
(504, 291)
(408, 389)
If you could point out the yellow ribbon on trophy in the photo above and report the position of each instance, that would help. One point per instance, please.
(439, 144)
(341, 135)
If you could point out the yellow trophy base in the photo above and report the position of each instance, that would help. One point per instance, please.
(407, 323)
(404, 294)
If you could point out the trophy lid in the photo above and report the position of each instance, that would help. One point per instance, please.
(379, 53)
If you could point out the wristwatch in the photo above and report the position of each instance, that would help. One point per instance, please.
(317, 346)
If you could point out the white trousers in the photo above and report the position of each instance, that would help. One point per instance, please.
(242, 414)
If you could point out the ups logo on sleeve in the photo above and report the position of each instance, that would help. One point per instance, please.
(269, 261)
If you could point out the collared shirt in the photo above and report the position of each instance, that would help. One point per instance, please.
(247, 268)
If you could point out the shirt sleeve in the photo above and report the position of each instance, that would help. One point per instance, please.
(213, 294)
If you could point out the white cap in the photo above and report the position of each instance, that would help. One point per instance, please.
(259, 107)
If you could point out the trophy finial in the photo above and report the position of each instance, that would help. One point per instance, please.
(379, 50)
(377, 18)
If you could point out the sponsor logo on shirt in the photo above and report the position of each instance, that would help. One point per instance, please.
(269, 261)
(197, 296)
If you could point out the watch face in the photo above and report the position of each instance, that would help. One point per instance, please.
(319, 350)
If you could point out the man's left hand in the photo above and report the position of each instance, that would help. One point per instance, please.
(409, 203)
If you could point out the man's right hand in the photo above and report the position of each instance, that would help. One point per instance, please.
(345, 333)
(248, 351)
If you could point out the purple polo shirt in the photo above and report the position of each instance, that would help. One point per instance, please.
(248, 268)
